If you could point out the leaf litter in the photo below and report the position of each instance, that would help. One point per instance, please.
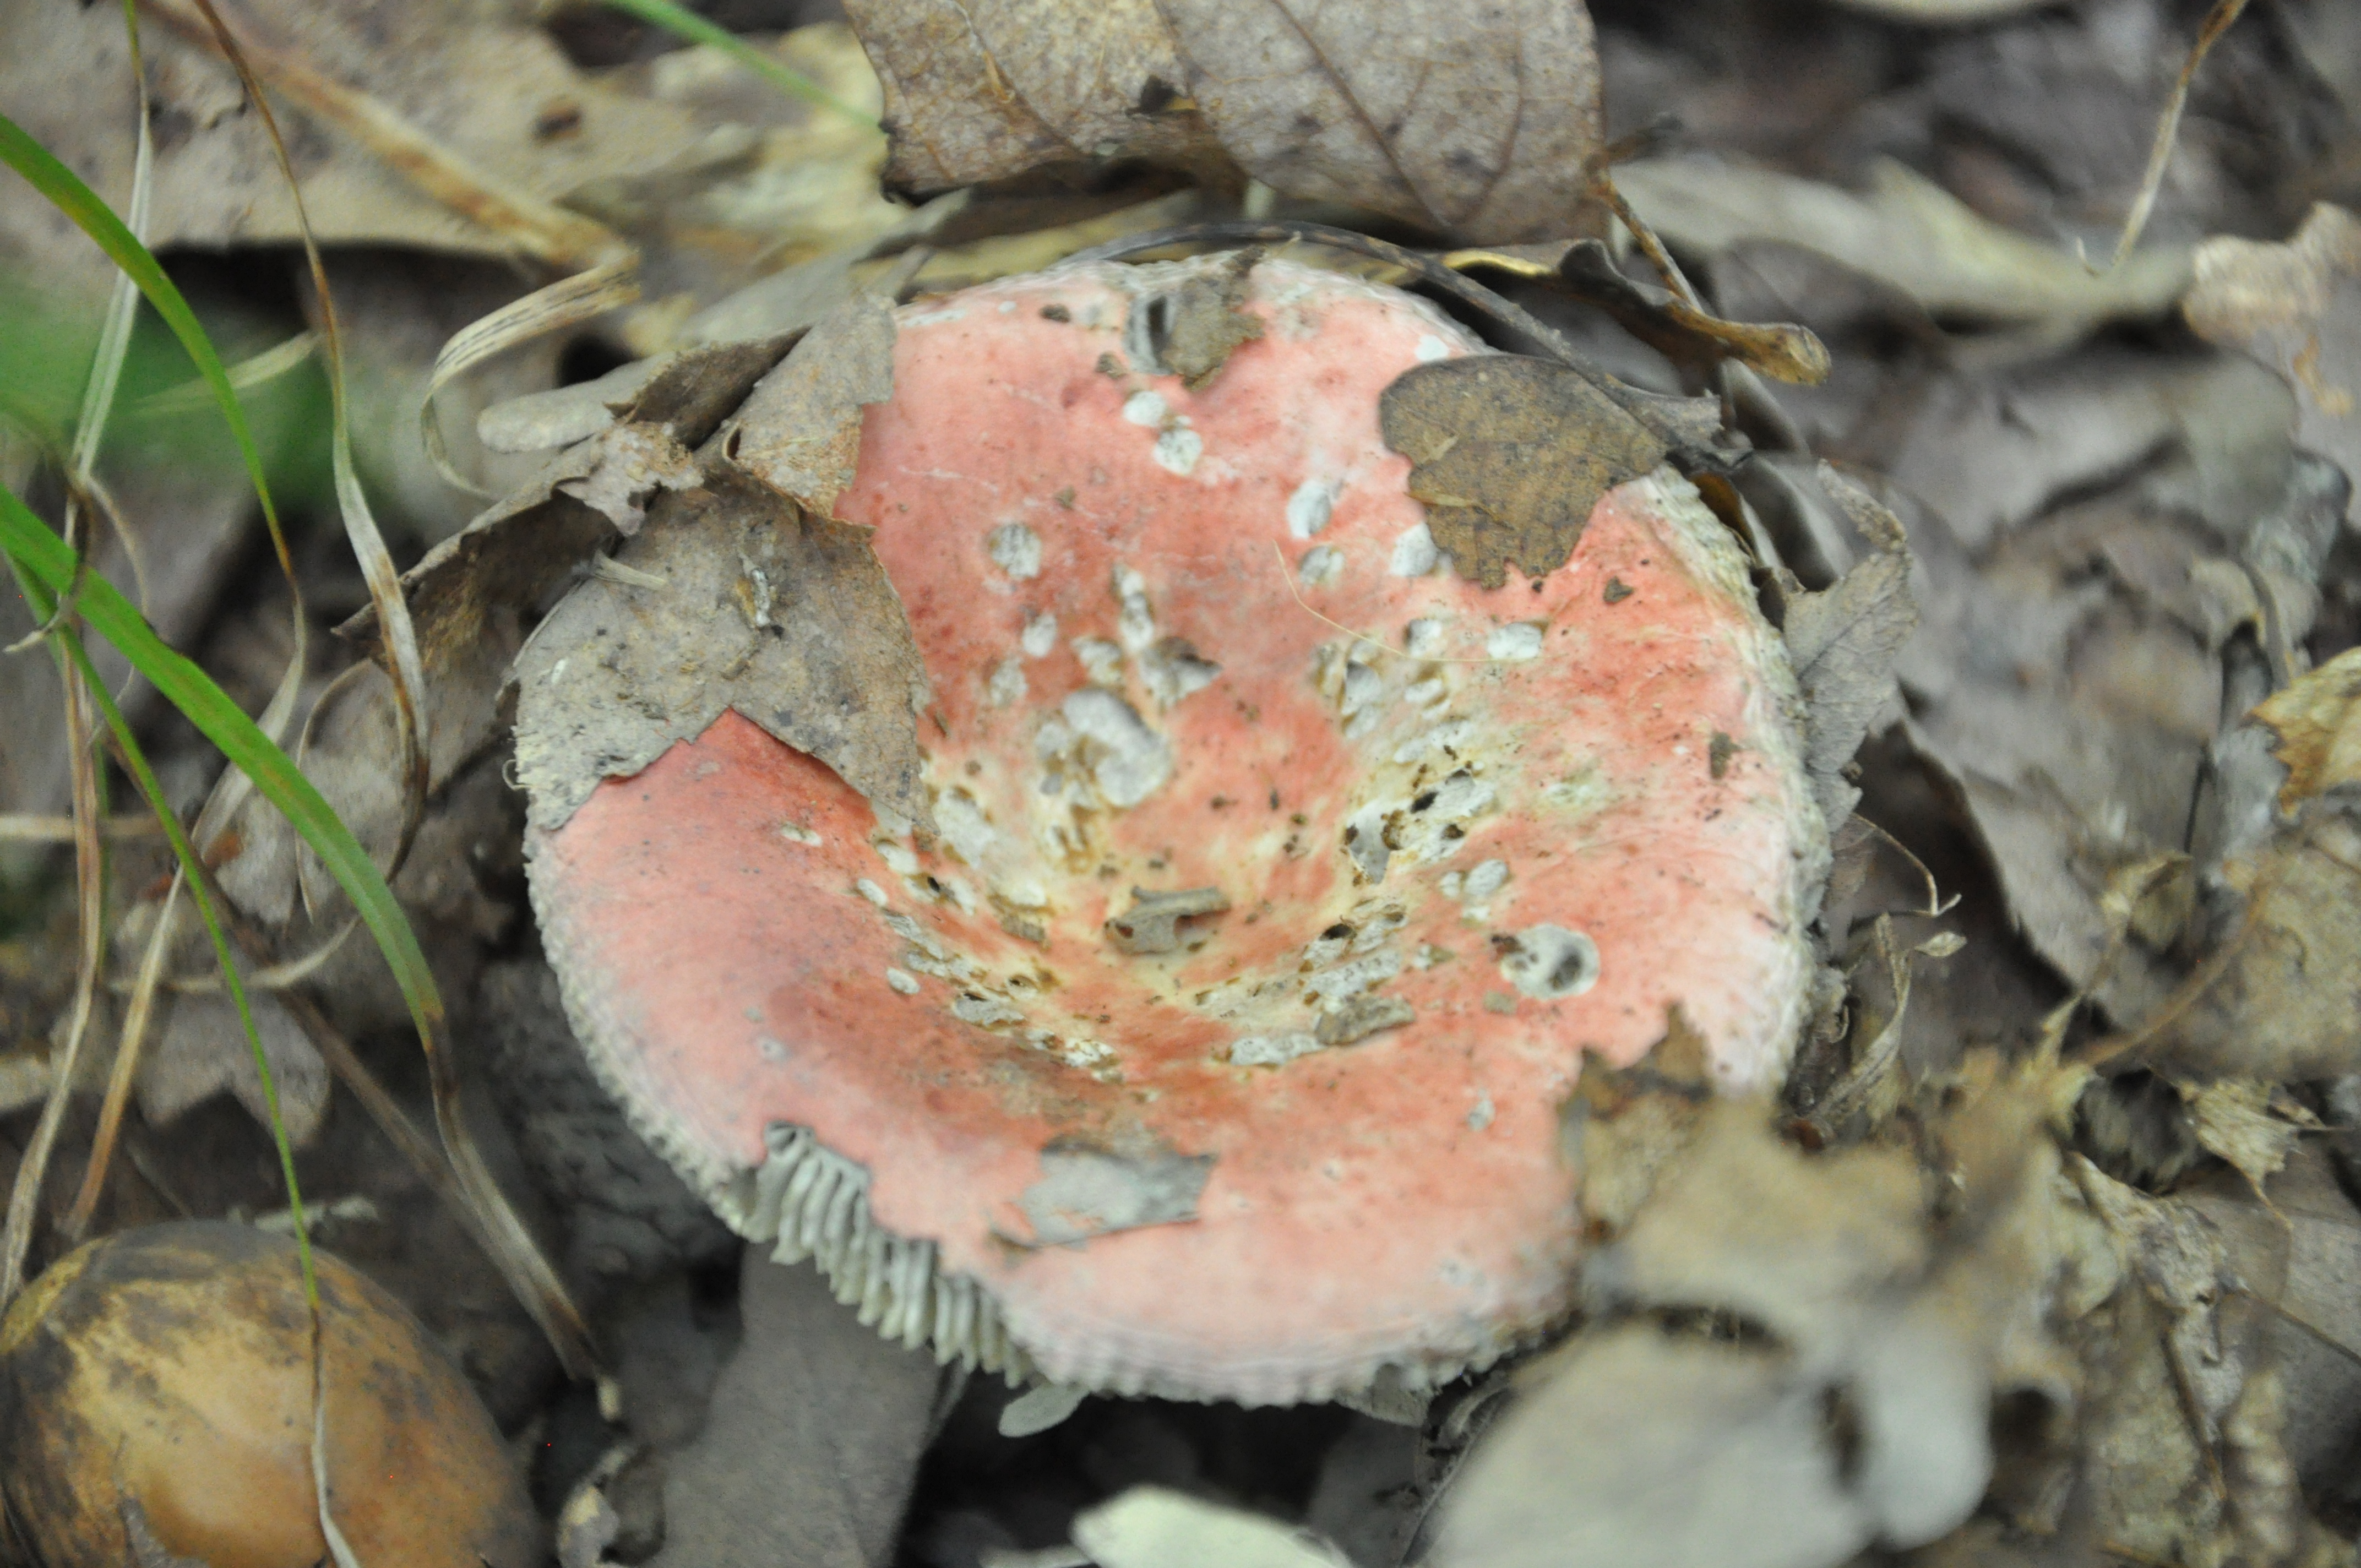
(2033, 674)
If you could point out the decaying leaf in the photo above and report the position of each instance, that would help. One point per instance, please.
(2295, 306)
(470, 595)
(784, 616)
(1623, 1128)
(1871, 1079)
(562, 416)
(1682, 332)
(1649, 1451)
(813, 1440)
(2233, 1119)
(2074, 680)
(2280, 1000)
(1843, 1301)
(1844, 642)
(976, 93)
(799, 429)
(1510, 455)
(2182, 1431)
(1206, 318)
(2316, 723)
(1470, 122)
(203, 1051)
(2243, 286)
(1907, 233)
(475, 85)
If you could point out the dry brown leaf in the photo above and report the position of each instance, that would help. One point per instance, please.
(1683, 333)
(1813, 1240)
(2242, 287)
(1844, 642)
(1648, 1451)
(2072, 680)
(562, 416)
(1469, 121)
(2297, 308)
(1201, 321)
(813, 1440)
(1510, 455)
(784, 617)
(1650, 1442)
(203, 1051)
(470, 595)
(482, 89)
(1907, 233)
(1873, 1081)
(1624, 1127)
(2280, 1000)
(799, 429)
(2317, 722)
(2233, 1119)
(2185, 1428)
(980, 92)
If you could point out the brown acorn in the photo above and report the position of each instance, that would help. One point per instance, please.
(164, 1376)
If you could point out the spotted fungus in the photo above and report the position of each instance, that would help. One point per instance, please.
(1203, 1021)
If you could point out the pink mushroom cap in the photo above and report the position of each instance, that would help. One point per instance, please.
(1216, 1043)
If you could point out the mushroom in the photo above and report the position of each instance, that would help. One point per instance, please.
(1403, 850)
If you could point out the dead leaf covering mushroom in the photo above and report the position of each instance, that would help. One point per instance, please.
(1510, 455)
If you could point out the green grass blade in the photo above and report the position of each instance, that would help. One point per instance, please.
(682, 22)
(49, 564)
(43, 601)
(64, 190)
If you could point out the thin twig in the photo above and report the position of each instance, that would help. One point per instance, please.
(90, 888)
(2167, 125)
(129, 1050)
(32, 827)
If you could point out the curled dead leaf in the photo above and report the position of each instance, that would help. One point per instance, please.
(1906, 232)
(1682, 332)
